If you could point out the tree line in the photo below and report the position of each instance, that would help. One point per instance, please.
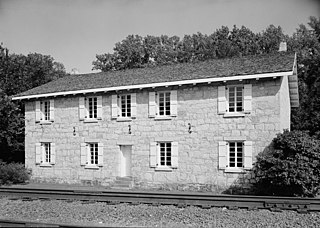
(19, 73)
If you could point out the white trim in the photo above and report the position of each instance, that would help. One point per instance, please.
(153, 85)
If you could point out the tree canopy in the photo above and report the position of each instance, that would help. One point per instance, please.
(136, 51)
(19, 73)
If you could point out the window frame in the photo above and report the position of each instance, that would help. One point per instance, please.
(166, 107)
(235, 100)
(236, 155)
(127, 108)
(45, 110)
(159, 165)
(87, 108)
(46, 148)
(93, 154)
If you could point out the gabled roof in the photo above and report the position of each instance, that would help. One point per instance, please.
(265, 65)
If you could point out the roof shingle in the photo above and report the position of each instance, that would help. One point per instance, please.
(266, 63)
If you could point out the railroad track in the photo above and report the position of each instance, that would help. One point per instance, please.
(204, 200)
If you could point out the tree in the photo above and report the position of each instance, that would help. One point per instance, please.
(19, 73)
(307, 45)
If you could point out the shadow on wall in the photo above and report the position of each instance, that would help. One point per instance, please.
(246, 184)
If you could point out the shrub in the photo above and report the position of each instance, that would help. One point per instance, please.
(291, 168)
(13, 173)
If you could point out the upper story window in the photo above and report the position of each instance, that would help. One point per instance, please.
(45, 153)
(45, 111)
(234, 100)
(124, 107)
(163, 104)
(90, 108)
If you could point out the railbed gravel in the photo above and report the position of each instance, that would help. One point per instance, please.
(142, 215)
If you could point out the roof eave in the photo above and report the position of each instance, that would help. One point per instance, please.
(161, 84)
(293, 85)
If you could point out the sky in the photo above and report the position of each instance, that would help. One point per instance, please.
(74, 31)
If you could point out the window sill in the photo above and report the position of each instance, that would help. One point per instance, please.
(90, 120)
(233, 114)
(124, 119)
(163, 169)
(234, 170)
(45, 122)
(163, 118)
(91, 167)
(45, 165)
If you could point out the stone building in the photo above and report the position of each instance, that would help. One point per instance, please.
(191, 124)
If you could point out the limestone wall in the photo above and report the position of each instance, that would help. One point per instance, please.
(198, 150)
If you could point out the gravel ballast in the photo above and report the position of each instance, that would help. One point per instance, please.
(99, 214)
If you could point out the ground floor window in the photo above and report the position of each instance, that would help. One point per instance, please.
(46, 152)
(236, 154)
(164, 149)
(93, 153)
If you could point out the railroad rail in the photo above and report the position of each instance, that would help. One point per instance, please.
(204, 200)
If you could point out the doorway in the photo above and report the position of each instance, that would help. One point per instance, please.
(125, 160)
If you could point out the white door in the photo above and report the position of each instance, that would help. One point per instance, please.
(125, 168)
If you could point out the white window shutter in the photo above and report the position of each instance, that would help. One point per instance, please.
(82, 108)
(223, 151)
(83, 154)
(174, 103)
(99, 107)
(100, 154)
(247, 154)
(38, 111)
(247, 98)
(114, 106)
(174, 155)
(53, 153)
(52, 110)
(153, 154)
(133, 105)
(152, 104)
(38, 153)
(222, 101)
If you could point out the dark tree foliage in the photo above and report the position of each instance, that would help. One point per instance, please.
(291, 168)
(19, 73)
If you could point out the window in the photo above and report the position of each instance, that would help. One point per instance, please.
(124, 107)
(90, 108)
(45, 111)
(163, 104)
(235, 155)
(91, 155)
(45, 153)
(234, 100)
(164, 155)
